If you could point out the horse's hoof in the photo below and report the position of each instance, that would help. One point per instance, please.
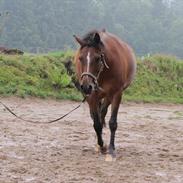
(103, 149)
(110, 158)
(97, 148)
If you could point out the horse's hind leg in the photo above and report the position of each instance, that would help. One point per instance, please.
(113, 125)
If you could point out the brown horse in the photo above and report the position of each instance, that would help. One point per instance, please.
(105, 67)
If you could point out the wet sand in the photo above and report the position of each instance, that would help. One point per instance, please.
(149, 144)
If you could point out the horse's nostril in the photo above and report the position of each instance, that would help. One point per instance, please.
(81, 86)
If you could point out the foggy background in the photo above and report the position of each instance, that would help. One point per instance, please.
(149, 26)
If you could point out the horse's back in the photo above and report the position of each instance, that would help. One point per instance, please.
(121, 58)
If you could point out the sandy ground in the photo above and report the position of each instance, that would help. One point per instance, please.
(149, 143)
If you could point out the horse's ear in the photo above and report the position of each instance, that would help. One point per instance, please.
(96, 38)
(80, 41)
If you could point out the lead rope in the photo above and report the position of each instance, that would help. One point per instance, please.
(41, 122)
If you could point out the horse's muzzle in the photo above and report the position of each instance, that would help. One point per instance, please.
(86, 89)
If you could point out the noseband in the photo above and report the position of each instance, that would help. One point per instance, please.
(95, 78)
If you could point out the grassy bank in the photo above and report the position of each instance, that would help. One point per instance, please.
(36, 75)
(158, 79)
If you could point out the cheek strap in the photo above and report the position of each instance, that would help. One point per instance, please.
(104, 61)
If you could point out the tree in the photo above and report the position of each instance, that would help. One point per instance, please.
(147, 25)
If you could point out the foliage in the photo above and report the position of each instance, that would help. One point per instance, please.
(159, 78)
(35, 75)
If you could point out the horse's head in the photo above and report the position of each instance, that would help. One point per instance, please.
(91, 61)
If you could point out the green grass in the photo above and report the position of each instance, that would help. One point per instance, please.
(158, 79)
(35, 75)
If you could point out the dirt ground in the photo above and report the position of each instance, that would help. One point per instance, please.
(149, 144)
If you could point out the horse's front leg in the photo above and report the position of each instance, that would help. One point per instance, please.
(95, 114)
(111, 156)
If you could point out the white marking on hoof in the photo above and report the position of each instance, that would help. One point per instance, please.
(97, 148)
(110, 158)
(102, 150)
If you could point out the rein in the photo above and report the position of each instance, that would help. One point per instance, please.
(41, 122)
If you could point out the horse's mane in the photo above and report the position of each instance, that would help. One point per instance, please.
(89, 38)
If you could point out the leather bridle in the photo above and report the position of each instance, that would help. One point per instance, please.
(95, 78)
